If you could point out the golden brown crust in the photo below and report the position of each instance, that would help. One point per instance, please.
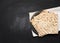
(45, 23)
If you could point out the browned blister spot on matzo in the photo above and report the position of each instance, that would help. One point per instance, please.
(45, 23)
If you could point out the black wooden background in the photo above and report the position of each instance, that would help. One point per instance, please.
(14, 21)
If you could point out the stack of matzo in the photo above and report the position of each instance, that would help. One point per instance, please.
(45, 23)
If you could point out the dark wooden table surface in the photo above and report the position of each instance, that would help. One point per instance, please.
(14, 21)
